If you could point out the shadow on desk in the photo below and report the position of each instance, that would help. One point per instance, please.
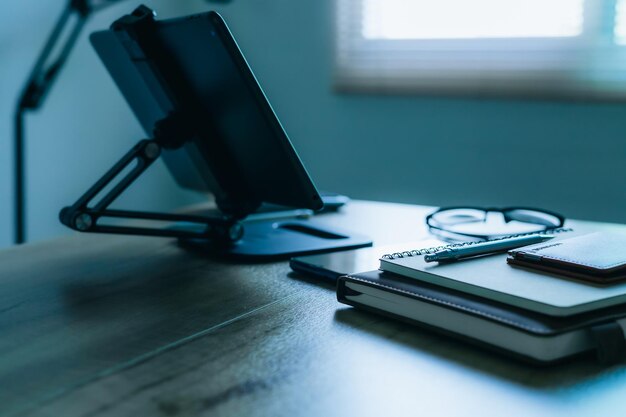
(570, 374)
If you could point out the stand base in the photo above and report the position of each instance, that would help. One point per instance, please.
(272, 240)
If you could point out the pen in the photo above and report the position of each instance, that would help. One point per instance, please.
(484, 248)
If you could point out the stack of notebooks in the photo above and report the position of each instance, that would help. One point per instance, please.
(541, 315)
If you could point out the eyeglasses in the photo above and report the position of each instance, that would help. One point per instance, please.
(477, 223)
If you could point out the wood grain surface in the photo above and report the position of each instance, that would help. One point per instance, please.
(97, 325)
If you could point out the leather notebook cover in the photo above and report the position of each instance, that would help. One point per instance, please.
(597, 257)
(521, 319)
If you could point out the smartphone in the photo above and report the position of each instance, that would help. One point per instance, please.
(330, 266)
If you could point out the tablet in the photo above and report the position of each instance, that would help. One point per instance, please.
(192, 65)
(330, 266)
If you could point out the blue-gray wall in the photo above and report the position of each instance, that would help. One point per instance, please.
(560, 155)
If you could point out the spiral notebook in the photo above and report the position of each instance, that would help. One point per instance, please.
(492, 278)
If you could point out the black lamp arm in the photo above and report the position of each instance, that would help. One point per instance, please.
(36, 87)
(41, 78)
(80, 216)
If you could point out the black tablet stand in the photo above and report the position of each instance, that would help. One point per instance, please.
(221, 233)
(169, 133)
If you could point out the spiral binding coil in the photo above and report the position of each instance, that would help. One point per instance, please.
(419, 252)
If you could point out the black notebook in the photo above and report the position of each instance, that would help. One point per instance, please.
(523, 333)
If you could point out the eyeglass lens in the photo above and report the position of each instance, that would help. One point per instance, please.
(532, 216)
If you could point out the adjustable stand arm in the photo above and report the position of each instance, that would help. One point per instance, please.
(81, 217)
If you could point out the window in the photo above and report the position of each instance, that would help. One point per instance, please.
(532, 47)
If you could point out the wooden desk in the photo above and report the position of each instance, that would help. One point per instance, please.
(131, 326)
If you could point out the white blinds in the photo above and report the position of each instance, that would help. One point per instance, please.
(531, 47)
(468, 19)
